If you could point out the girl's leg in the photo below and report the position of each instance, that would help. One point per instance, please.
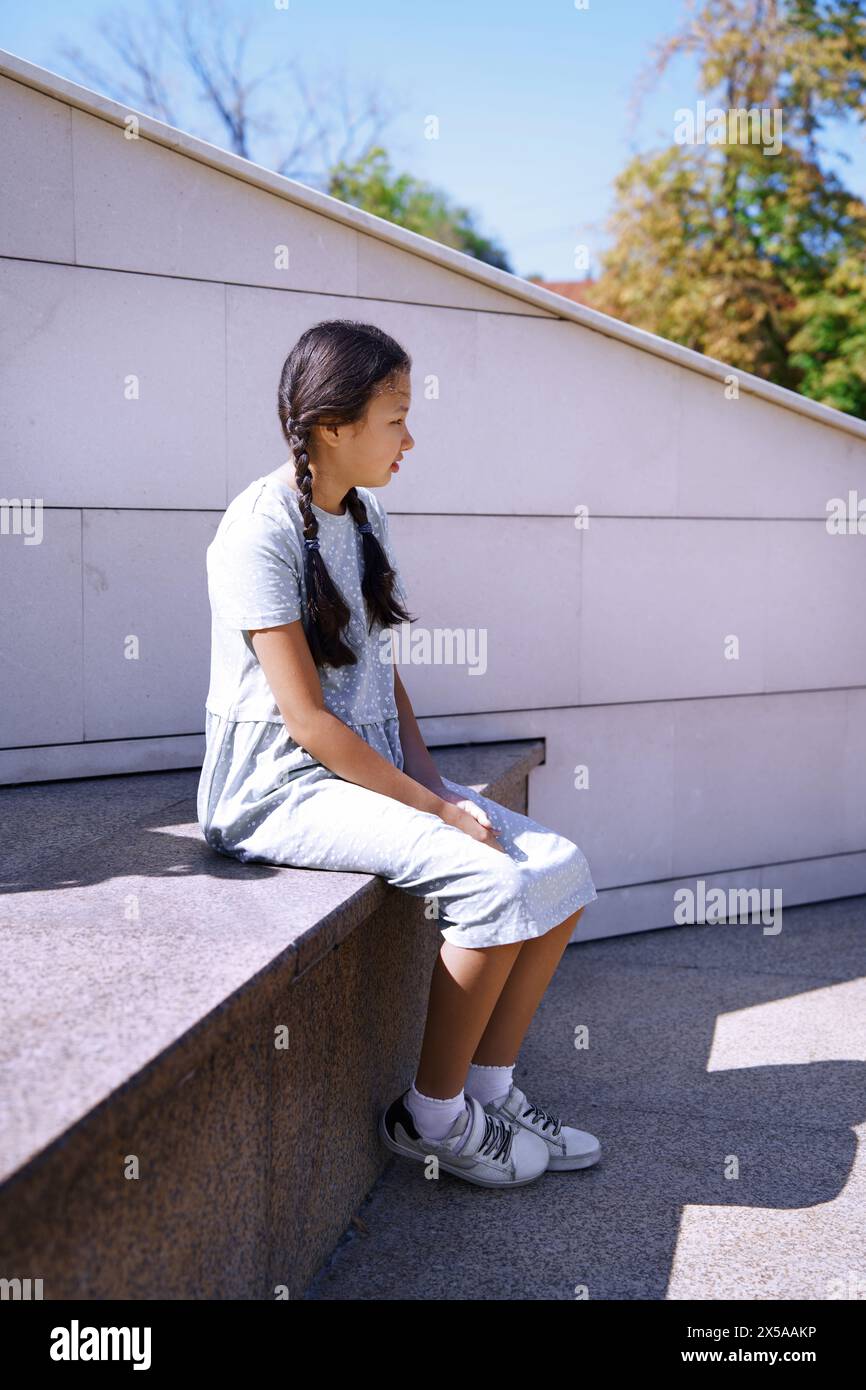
(521, 994)
(476, 1014)
(464, 989)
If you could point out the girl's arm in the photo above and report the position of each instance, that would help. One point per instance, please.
(417, 762)
(284, 655)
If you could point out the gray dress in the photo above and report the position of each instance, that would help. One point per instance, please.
(263, 798)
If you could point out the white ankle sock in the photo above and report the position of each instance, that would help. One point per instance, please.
(488, 1083)
(434, 1117)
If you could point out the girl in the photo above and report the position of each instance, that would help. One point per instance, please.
(314, 758)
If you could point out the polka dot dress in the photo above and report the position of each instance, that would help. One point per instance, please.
(263, 798)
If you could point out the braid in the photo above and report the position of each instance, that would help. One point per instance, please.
(325, 603)
(378, 583)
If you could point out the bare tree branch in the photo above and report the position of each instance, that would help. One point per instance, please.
(197, 51)
(141, 53)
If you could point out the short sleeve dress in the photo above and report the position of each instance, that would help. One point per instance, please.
(262, 797)
(256, 579)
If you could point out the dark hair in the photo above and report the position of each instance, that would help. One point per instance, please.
(329, 378)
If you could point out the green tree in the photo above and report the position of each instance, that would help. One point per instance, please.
(754, 258)
(370, 183)
(829, 349)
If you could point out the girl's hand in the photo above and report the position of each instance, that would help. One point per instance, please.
(460, 811)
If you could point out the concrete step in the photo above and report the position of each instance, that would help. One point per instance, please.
(195, 1050)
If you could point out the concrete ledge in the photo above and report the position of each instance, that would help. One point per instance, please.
(195, 1050)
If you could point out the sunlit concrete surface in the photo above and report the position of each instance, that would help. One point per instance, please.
(726, 1079)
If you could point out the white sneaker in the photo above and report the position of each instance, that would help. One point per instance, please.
(569, 1148)
(496, 1153)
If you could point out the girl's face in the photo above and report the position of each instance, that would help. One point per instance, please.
(367, 454)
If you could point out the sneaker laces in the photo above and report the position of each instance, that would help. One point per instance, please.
(536, 1113)
(498, 1138)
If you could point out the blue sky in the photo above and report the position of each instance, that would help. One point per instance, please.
(533, 100)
